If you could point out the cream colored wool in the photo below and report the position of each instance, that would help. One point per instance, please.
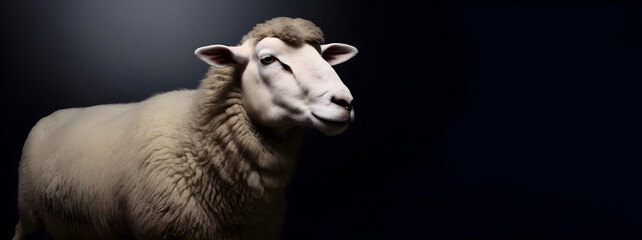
(292, 31)
(187, 164)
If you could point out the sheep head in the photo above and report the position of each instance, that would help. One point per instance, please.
(287, 84)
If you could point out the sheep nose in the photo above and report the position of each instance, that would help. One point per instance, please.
(342, 102)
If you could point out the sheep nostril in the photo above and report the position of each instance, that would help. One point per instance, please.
(343, 103)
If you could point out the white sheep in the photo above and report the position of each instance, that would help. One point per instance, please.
(210, 163)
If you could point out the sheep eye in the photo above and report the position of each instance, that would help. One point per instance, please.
(267, 60)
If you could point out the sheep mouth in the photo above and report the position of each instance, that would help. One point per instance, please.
(331, 121)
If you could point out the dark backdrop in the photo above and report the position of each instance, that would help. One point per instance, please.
(484, 120)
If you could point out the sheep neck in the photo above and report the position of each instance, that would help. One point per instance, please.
(249, 165)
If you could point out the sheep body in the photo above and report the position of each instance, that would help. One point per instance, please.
(128, 160)
(81, 150)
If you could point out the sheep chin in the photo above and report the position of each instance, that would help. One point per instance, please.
(329, 127)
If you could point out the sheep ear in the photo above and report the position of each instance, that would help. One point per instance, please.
(336, 53)
(221, 56)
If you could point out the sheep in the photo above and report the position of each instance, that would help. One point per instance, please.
(209, 163)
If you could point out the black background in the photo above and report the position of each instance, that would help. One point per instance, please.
(474, 120)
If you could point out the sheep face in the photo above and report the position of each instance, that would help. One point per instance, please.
(285, 86)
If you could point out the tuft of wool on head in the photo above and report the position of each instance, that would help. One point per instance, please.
(292, 31)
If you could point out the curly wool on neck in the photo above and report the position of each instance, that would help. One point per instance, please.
(248, 157)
